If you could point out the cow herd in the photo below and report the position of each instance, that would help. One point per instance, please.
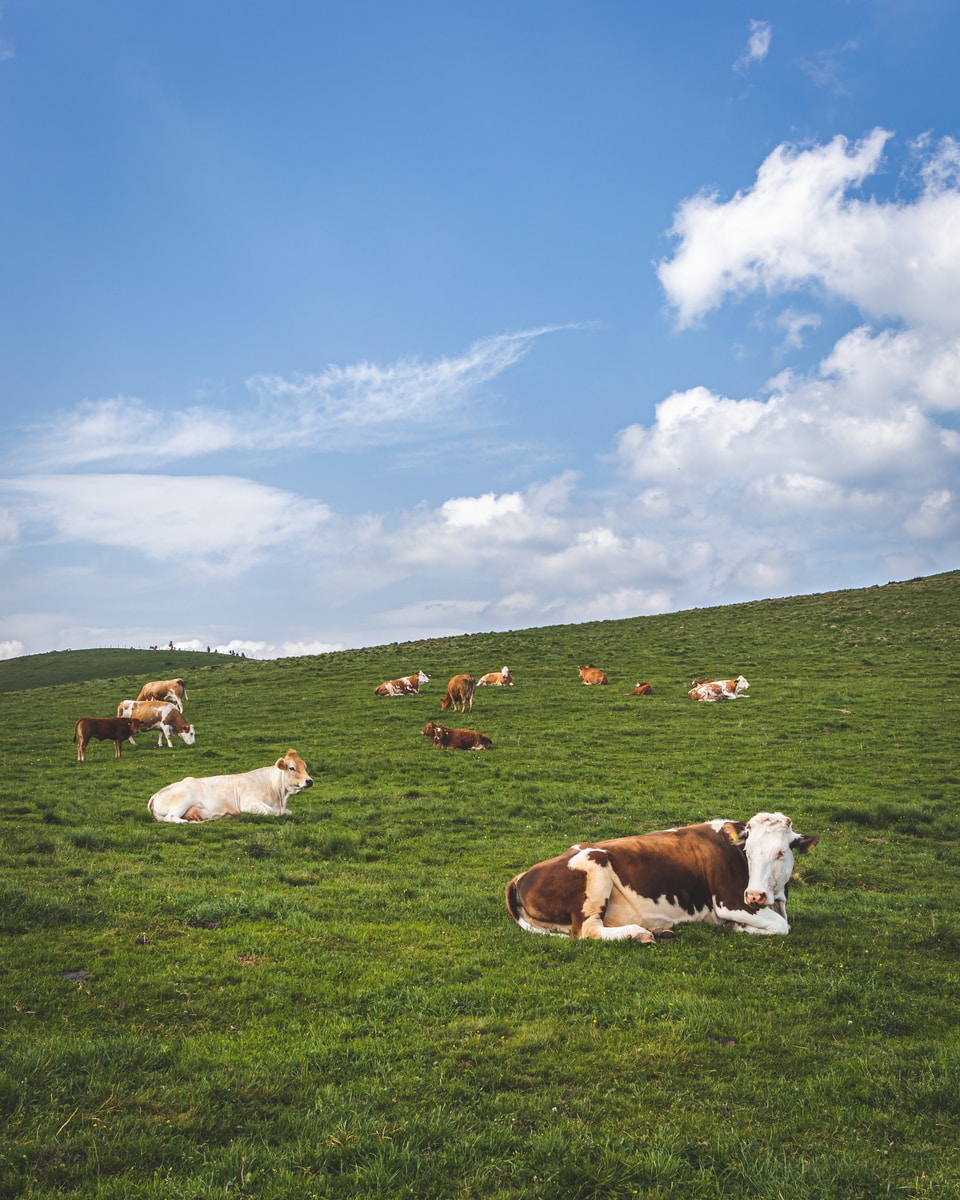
(732, 873)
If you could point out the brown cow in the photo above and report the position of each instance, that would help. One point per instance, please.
(501, 678)
(409, 685)
(173, 691)
(592, 675)
(430, 729)
(732, 873)
(460, 739)
(104, 729)
(642, 689)
(459, 693)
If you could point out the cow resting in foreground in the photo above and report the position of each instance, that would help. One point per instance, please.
(501, 678)
(460, 691)
(717, 689)
(152, 714)
(732, 873)
(592, 675)
(408, 685)
(264, 791)
(103, 729)
(173, 691)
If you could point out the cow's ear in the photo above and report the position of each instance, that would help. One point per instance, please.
(281, 763)
(801, 845)
(736, 831)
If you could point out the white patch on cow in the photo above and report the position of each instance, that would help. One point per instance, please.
(613, 911)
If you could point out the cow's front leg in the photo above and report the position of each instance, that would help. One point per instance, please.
(764, 920)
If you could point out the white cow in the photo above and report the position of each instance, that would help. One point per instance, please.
(152, 714)
(264, 791)
(718, 689)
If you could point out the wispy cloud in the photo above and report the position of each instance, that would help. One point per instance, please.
(339, 408)
(758, 45)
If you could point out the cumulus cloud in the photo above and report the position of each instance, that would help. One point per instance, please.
(219, 525)
(758, 45)
(798, 227)
(11, 649)
(338, 408)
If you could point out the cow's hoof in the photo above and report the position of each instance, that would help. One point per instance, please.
(665, 935)
(644, 937)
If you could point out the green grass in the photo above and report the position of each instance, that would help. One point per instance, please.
(337, 1004)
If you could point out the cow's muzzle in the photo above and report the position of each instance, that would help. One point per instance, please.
(756, 899)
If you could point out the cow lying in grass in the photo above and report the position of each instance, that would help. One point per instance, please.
(732, 873)
(717, 689)
(264, 791)
(456, 739)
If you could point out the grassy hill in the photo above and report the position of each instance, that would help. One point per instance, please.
(337, 1004)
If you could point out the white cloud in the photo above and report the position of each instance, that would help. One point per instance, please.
(339, 408)
(219, 525)
(11, 649)
(758, 45)
(797, 227)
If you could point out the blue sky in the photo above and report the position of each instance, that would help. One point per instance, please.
(329, 325)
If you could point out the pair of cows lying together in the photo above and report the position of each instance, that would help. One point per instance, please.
(732, 873)
(159, 706)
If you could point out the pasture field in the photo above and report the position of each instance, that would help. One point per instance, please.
(337, 1004)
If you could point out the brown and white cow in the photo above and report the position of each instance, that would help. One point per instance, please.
(171, 691)
(732, 873)
(264, 791)
(501, 678)
(460, 691)
(103, 729)
(710, 690)
(642, 689)
(409, 685)
(460, 739)
(591, 675)
(153, 714)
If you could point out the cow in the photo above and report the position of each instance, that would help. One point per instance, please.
(642, 689)
(710, 690)
(103, 729)
(264, 791)
(430, 729)
(460, 739)
(460, 691)
(591, 675)
(152, 714)
(501, 678)
(409, 685)
(732, 873)
(171, 691)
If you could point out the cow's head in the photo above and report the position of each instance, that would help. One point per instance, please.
(430, 729)
(295, 775)
(740, 683)
(422, 678)
(770, 843)
(189, 735)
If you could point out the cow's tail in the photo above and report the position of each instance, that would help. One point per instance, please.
(75, 729)
(512, 897)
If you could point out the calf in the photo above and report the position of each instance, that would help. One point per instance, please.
(173, 691)
(103, 729)
(642, 689)
(408, 685)
(264, 791)
(460, 691)
(460, 739)
(591, 675)
(501, 678)
(152, 714)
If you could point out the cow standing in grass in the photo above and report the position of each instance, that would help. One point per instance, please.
(104, 729)
(460, 691)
